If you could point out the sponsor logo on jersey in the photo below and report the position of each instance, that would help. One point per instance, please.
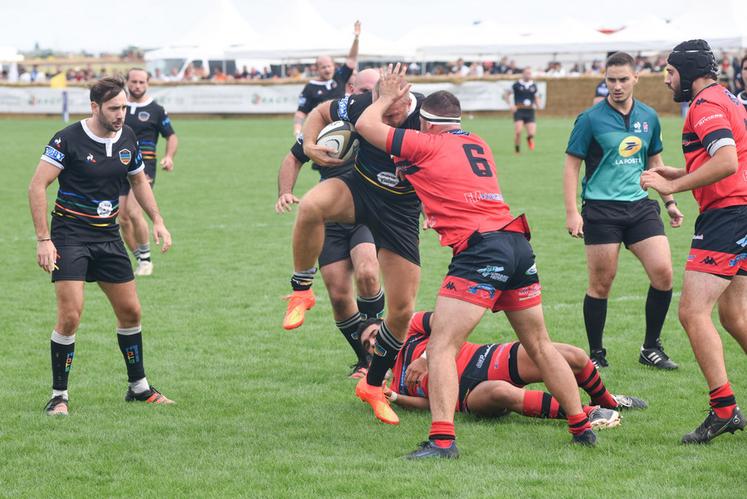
(104, 208)
(125, 156)
(529, 292)
(388, 179)
(637, 127)
(698, 237)
(57, 142)
(143, 115)
(90, 158)
(629, 146)
(493, 272)
(734, 261)
(645, 127)
(706, 119)
(484, 356)
(708, 261)
(742, 242)
(301, 100)
(342, 108)
(450, 286)
(482, 289)
(531, 270)
(54, 154)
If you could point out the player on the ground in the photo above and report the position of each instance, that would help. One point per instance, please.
(348, 253)
(373, 195)
(618, 138)
(524, 100)
(493, 266)
(743, 94)
(90, 160)
(714, 141)
(330, 85)
(492, 378)
(149, 120)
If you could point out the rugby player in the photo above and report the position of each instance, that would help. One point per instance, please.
(90, 159)
(371, 194)
(618, 138)
(714, 142)
(149, 120)
(348, 252)
(330, 85)
(523, 100)
(493, 267)
(492, 378)
(743, 94)
(601, 92)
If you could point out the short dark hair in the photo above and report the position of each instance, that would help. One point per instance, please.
(147, 74)
(442, 103)
(621, 59)
(365, 325)
(106, 89)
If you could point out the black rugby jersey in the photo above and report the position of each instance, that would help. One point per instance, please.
(525, 93)
(373, 164)
(93, 169)
(602, 90)
(149, 120)
(324, 172)
(315, 92)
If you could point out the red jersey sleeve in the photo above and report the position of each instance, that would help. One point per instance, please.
(420, 324)
(710, 122)
(411, 145)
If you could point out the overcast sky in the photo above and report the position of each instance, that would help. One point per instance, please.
(100, 25)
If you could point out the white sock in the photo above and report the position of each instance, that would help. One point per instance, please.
(63, 393)
(140, 385)
(61, 339)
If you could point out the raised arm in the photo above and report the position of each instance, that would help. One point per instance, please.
(371, 124)
(352, 60)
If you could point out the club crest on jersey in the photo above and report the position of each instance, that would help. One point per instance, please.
(125, 156)
(104, 209)
(143, 115)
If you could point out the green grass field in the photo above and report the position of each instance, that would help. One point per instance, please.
(263, 412)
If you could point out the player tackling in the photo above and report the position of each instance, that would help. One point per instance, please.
(714, 141)
(453, 174)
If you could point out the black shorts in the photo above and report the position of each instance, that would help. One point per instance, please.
(493, 362)
(394, 220)
(149, 171)
(525, 115)
(103, 262)
(719, 245)
(340, 239)
(496, 271)
(628, 222)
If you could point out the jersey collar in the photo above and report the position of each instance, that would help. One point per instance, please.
(630, 113)
(107, 141)
(135, 105)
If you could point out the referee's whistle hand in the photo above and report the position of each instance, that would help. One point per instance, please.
(575, 225)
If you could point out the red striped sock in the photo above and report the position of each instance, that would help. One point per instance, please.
(539, 404)
(723, 401)
(442, 433)
(590, 381)
(578, 423)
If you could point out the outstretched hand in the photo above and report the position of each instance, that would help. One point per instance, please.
(392, 84)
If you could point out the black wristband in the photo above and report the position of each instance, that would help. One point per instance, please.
(670, 203)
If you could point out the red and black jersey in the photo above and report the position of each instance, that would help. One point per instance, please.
(149, 120)
(715, 119)
(374, 165)
(93, 169)
(455, 178)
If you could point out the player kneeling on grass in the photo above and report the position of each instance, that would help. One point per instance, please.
(90, 159)
(492, 377)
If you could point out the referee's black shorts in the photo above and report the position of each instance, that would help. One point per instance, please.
(628, 222)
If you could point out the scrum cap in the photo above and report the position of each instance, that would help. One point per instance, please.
(692, 59)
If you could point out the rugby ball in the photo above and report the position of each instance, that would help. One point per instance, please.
(340, 136)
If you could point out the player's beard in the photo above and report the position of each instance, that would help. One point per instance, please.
(111, 126)
(136, 96)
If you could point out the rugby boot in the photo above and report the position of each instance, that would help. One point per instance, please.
(601, 418)
(428, 449)
(655, 357)
(144, 268)
(627, 402)
(298, 303)
(599, 358)
(57, 406)
(588, 438)
(150, 396)
(713, 426)
(530, 143)
(374, 396)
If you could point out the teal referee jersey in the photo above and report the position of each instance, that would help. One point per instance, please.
(615, 149)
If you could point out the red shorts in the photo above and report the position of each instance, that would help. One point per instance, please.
(496, 271)
(719, 245)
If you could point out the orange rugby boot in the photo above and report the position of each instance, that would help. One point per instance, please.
(298, 303)
(374, 396)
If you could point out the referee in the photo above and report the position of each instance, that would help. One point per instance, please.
(618, 138)
(90, 160)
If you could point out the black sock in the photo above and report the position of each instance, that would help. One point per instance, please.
(657, 306)
(62, 359)
(373, 306)
(516, 147)
(131, 345)
(349, 329)
(529, 138)
(303, 279)
(595, 315)
(385, 354)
